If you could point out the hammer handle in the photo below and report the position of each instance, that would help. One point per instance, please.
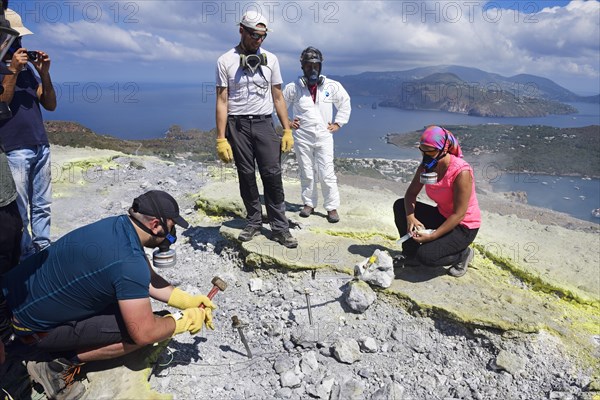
(211, 294)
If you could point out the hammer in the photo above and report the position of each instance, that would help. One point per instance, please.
(218, 284)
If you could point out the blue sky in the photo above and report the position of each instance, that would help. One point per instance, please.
(179, 41)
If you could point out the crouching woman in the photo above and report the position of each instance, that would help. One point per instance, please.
(456, 219)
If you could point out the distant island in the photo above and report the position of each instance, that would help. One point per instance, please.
(465, 90)
(528, 149)
(447, 92)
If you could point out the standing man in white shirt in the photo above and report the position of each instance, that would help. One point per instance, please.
(312, 97)
(248, 88)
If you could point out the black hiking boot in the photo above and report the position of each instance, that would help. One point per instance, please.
(248, 233)
(285, 238)
(57, 377)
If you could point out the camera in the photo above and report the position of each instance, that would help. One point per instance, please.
(32, 56)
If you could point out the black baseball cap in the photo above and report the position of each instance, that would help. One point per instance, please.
(159, 204)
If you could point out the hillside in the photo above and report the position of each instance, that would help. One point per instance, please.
(388, 83)
(198, 145)
(453, 88)
(447, 92)
(538, 149)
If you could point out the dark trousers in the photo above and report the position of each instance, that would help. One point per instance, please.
(440, 252)
(10, 236)
(10, 251)
(256, 139)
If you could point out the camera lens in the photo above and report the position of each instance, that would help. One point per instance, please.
(32, 55)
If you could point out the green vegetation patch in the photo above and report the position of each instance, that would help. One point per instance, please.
(535, 148)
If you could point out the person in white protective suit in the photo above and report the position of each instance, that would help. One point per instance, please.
(312, 98)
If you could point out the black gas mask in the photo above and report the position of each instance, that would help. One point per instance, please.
(163, 256)
(312, 77)
(170, 238)
(429, 163)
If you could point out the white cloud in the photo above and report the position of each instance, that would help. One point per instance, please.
(354, 36)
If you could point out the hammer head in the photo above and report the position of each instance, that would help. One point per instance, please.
(220, 283)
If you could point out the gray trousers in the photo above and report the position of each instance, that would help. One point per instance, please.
(255, 138)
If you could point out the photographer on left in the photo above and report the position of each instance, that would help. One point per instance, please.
(24, 136)
(10, 218)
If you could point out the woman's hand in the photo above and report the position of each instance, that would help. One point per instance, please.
(413, 224)
(423, 236)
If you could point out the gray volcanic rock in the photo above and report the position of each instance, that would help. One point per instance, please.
(359, 296)
(398, 346)
(346, 350)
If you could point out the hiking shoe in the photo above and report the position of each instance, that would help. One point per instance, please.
(285, 238)
(57, 377)
(248, 233)
(460, 268)
(333, 217)
(306, 211)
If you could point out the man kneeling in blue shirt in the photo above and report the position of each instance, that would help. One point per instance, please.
(87, 296)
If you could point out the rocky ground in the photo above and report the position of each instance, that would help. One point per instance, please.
(389, 351)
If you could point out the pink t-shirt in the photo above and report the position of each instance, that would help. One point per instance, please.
(443, 194)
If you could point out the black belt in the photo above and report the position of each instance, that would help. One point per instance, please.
(252, 116)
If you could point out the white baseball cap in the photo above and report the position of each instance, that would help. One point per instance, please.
(253, 18)
(16, 22)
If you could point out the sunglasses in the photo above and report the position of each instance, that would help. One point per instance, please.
(254, 35)
(428, 152)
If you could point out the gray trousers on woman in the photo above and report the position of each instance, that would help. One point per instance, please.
(253, 138)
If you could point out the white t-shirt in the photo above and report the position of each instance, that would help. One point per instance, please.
(248, 93)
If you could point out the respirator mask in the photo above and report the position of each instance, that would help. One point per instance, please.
(311, 61)
(163, 207)
(312, 77)
(429, 176)
(253, 61)
(164, 256)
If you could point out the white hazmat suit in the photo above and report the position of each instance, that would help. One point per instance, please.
(313, 142)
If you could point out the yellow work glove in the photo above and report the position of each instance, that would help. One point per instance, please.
(224, 150)
(182, 300)
(191, 320)
(287, 140)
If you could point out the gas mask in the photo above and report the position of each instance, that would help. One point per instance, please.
(253, 61)
(162, 206)
(312, 78)
(429, 177)
(164, 256)
(311, 61)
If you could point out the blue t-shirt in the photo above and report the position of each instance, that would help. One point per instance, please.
(79, 275)
(26, 127)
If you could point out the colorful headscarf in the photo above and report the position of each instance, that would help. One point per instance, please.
(435, 136)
